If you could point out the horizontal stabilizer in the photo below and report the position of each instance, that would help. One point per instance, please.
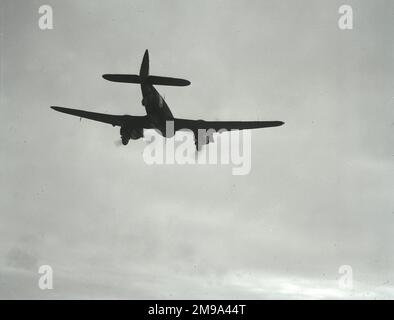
(128, 78)
(156, 80)
(167, 81)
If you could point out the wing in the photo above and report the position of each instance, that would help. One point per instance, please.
(194, 125)
(114, 120)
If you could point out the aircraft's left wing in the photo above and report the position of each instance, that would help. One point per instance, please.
(194, 125)
(115, 120)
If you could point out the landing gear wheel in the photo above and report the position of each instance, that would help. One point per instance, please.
(198, 146)
(125, 141)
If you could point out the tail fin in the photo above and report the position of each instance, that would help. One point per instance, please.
(144, 70)
(145, 77)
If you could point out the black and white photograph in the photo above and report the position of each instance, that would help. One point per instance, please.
(197, 150)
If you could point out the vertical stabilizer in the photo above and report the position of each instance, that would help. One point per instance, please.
(144, 71)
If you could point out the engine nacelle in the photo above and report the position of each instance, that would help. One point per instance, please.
(136, 134)
(131, 133)
(201, 138)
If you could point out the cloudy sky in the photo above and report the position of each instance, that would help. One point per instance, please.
(320, 191)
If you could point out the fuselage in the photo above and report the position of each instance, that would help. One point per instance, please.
(156, 108)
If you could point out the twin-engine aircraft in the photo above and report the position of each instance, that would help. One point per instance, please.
(158, 112)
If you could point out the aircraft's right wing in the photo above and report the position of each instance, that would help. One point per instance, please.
(194, 125)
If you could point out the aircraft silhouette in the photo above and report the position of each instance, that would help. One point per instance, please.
(158, 113)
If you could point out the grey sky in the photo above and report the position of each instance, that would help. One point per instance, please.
(320, 192)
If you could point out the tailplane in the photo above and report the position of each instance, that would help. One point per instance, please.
(145, 77)
(156, 80)
(167, 81)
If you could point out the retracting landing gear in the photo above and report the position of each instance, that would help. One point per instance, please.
(198, 145)
(202, 139)
(125, 140)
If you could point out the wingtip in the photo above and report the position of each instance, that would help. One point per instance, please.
(56, 108)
